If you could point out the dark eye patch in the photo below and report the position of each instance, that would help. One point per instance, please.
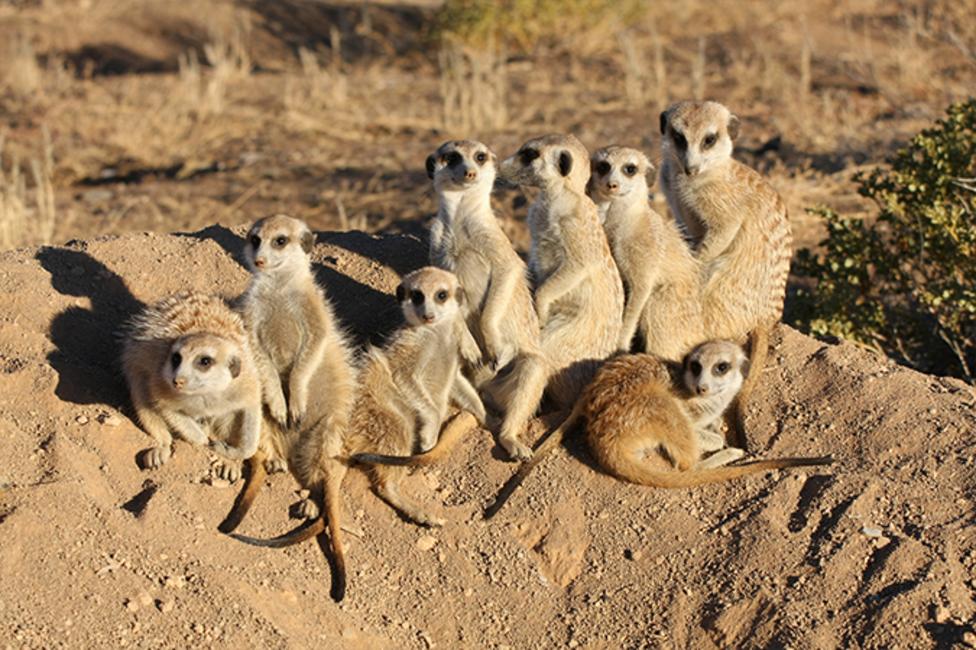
(679, 140)
(630, 169)
(453, 159)
(709, 141)
(695, 368)
(176, 360)
(603, 168)
(417, 297)
(528, 155)
(255, 241)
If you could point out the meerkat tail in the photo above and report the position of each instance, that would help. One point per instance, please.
(453, 431)
(245, 498)
(333, 515)
(307, 530)
(549, 442)
(735, 417)
(628, 467)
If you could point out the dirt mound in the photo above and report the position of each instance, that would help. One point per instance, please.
(877, 551)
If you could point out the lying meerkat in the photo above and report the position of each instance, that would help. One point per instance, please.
(409, 379)
(467, 240)
(636, 423)
(187, 362)
(737, 224)
(579, 295)
(661, 275)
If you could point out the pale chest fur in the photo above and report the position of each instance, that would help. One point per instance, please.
(275, 319)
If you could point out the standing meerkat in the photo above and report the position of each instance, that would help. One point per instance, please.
(579, 295)
(660, 274)
(736, 223)
(637, 425)
(466, 239)
(408, 380)
(187, 363)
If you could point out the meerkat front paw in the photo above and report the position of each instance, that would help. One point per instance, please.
(275, 465)
(278, 409)
(517, 449)
(155, 457)
(304, 509)
(227, 470)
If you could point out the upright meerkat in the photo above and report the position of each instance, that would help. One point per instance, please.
(579, 295)
(187, 362)
(408, 380)
(286, 313)
(640, 429)
(736, 223)
(466, 239)
(660, 274)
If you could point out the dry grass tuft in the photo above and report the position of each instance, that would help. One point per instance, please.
(473, 87)
(27, 220)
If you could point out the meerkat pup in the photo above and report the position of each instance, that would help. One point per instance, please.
(579, 295)
(736, 223)
(659, 272)
(290, 321)
(466, 239)
(637, 424)
(187, 363)
(407, 381)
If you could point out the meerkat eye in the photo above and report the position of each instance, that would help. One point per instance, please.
(528, 155)
(204, 362)
(417, 297)
(709, 141)
(695, 368)
(441, 295)
(255, 241)
(721, 368)
(630, 169)
(679, 140)
(603, 168)
(176, 359)
(280, 241)
(481, 157)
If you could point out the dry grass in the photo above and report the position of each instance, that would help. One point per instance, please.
(473, 87)
(27, 212)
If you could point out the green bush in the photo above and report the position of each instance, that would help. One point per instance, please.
(522, 23)
(905, 282)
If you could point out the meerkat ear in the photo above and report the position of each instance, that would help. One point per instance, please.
(744, 368)
(234, 365)
(565, 163)
(430, 166)
(733, 127)
(401, 293)
(664, 121)
(459, 295)
(308, 241)
(649, 167)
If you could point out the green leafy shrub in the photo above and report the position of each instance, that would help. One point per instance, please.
(906, 281)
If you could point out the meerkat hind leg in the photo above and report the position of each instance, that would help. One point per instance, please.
(253, 483)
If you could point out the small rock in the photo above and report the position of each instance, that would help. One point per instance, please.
(174, 582)
(165, 605)
(632, 554)
(110, 419)
(218, 482)
(872, 531)
(942, 614)
(426, 542)
(131, 605)
(145, 599)
(198, 628)
(82, 419)
(969, 638)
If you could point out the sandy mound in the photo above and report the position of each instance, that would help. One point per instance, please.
(877, 551)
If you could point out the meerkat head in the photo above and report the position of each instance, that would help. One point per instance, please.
(429, 296)
(619, 172)
(278, 243)
(202, 363)
(461, 165)
(553, 160)
(716, 368)
(698, 135)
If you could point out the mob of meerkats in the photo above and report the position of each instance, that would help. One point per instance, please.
(630, 322)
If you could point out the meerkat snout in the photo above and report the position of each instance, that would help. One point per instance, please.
(277, 243)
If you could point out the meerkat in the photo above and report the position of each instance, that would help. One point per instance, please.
(406, 382)
(637, 424)
(187, 362)
(660, 274)
(578, 291)
(286, 313)
(736, 223)
(466, 239)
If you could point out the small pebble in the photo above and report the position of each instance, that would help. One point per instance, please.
(426, 542)
(131, 605)
(165, 606)
(872, 531)
(82, 419)
(110, 419)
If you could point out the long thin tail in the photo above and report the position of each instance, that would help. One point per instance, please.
(309, 529)
(256, 473)
(629, 468)
(548, 442)
(333, 514)
(455, 428)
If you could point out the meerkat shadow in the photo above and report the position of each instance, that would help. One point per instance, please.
(402, 253)
(231, 242)
(367, 314)
(88, 340)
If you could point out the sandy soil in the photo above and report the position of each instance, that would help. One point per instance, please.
(877, 551)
